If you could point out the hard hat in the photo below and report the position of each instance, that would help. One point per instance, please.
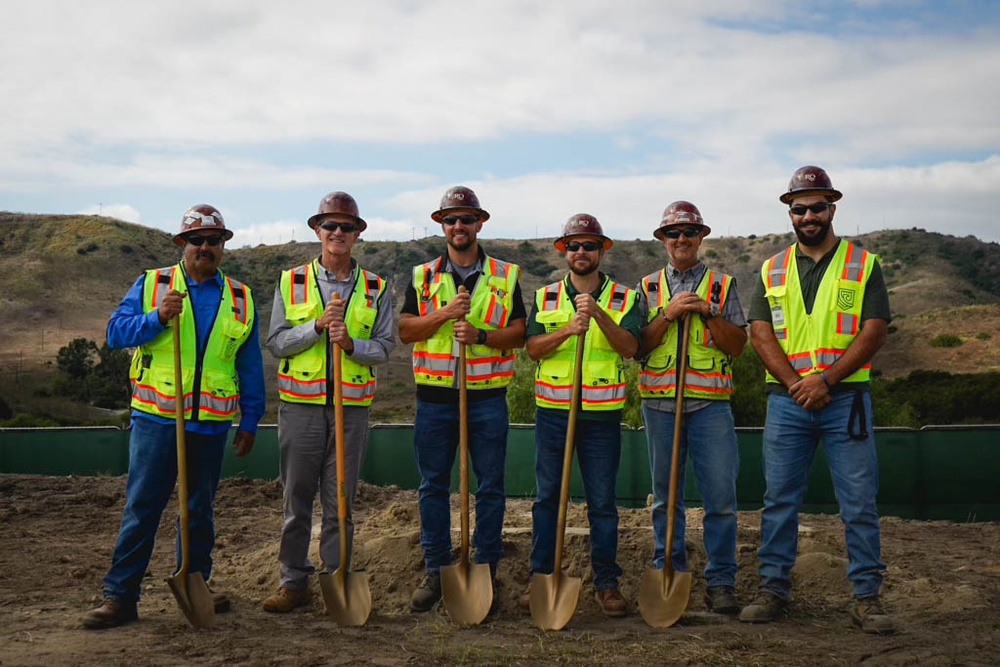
(681, 213)
(199, 217)
(459, 197)
(582, 224)
(810, 180)
(338, 202)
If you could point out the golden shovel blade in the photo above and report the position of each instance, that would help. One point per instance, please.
(193, 597)
(347, 596)
(553, 599)
(467, 592)
(663, 596)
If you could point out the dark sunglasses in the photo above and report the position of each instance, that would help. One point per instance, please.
(690, 233)
(817, 208)
(197, 239)
(467, 220)
(588, 246)
(345, 227)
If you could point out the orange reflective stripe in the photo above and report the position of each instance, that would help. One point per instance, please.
(778, 276)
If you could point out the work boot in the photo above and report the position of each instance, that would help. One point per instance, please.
(427, 593)
(495, 604)
(524, 602)
(110, 614)
(722, 600)
(612, 603)
(285, 600)
(766, 607)
(869, 615)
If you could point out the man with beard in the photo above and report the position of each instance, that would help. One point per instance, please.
(818, 315)
(488, 318)
(584, 302)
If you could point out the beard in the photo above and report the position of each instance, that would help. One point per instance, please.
(813, 239)
(584, 270)
(464, 243)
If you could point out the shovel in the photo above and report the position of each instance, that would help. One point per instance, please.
(466, 588)
(554, 596)
(190, 589)
(346, 594)
(663, 594)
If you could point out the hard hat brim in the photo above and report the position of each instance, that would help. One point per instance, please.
(834, 195)
(560, 243)
(179, 238)
(441, 213)
(314, 221)
(658, 232)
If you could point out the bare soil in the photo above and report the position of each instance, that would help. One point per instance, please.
(942, 585)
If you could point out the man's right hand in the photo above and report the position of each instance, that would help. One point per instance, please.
(459, 306)
(170, 307)
(332, 313)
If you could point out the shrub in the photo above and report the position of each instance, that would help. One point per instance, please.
(946, 340)
(982, 335)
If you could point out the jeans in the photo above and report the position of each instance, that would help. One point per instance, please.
(791, 436)
(152, 472)
(435, 442)
(709, 436)
(598, 452)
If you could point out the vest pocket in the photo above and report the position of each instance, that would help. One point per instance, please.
(302, 312)
(364, 321)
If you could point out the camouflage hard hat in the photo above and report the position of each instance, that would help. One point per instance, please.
(681, 214)
(199, 218)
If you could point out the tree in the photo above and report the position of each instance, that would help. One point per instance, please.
(77, 359)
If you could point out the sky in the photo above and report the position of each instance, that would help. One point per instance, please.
(138, 110)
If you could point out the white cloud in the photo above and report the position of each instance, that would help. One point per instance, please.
(119, 211)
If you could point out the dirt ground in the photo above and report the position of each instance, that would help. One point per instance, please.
(943, 586)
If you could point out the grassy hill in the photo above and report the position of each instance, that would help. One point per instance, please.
(63, 275)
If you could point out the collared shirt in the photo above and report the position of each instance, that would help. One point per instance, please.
(129, 326)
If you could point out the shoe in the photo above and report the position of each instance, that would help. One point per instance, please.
(766, 607)
(612, 603)
(722, 600)
(524, 602)
(221, 603)
(110, 614)
(285, 600)
(427, 593)
(869, 615)
(495, 603)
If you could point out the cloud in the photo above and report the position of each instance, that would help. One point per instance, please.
(119, 211)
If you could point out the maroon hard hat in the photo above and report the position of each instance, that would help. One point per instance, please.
(810, 180)
(338, 202)
(582, 224)
(198, 218)
(681, 213)
(459, 197)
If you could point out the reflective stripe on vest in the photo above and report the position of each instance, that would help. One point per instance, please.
(302, 377)
(152, 371)
(603, 386)
(813, 342)
(435, 360)
(710, 370)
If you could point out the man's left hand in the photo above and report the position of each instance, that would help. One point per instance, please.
(243, 443)
(811, 393)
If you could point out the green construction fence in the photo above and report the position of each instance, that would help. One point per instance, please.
(937, 472)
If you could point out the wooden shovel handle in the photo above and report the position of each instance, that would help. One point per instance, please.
(675, 456)
(338, 436)
(574, 408)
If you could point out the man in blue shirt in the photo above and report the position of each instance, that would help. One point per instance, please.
(222, 366)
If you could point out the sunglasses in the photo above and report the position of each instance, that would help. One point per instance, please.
(345, 227)
(587, 246)
(467, 220)
(198, 240)
(817, 208)
(689, 233)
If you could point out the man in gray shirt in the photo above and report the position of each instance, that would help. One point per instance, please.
(687, 288)
(305, 322)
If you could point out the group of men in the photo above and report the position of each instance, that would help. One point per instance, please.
(818, 314)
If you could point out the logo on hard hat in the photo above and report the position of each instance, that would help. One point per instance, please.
(809, 176)
(207, 220)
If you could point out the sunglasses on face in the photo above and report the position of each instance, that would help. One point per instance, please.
(467, 220)
(345, 227)
(198, 240)
(817, 208)
(586, 246)
(689, 233)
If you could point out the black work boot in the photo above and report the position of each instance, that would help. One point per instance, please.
(110, 614)
(427, 593)
(722, 600)
(766, 607)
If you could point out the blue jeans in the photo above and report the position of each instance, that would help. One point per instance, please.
(435, 441)
(791, 436)
(152, 473)
(709, 436)
(598, 452)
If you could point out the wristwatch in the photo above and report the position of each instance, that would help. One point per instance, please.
(481, 337)
(713, 311)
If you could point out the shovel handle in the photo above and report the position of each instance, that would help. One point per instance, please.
(675, 455)
(463, 445)
(182, 488)
(338, 436)
(574, 408)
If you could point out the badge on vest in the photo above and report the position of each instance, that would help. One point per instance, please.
(846, 298)
(777, 316)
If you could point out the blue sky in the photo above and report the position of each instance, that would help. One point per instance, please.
(138, 110)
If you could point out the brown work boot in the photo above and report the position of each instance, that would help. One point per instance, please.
(285, 600)
(869, 615)
(110, 614)
(612, 603)
(766, 607)
(427, 593)
(524, 602)
(722, 600)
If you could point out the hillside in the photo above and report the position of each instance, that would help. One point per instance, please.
(63, 275)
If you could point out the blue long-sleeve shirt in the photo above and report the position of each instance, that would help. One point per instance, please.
(129, 326)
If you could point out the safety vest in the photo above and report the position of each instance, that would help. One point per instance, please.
(302, 377)
(603, 386)
(435, 360)
(210, 385)
(814, 342)
(709, 370)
